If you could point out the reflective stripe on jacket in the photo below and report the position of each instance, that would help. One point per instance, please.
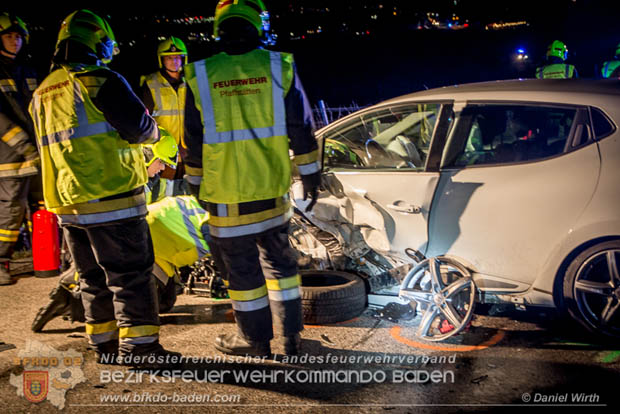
(246, 165)
(609, 67)
(161, 188)
(83, 158)
(19, 157)
(556, 71)
(169, 105)
(175, 224)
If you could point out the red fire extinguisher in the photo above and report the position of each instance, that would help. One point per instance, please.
(45, 244)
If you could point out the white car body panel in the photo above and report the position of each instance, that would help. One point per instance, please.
(506, 219)
(405, 189)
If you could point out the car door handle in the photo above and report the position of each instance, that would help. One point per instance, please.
(405, 208)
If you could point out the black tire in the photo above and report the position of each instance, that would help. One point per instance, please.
(585, 307)
(331, 296)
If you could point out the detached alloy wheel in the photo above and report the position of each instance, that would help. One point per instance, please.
(592, 288)
(444, 292)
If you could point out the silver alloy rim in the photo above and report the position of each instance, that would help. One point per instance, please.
(597, 291)
(444, 291)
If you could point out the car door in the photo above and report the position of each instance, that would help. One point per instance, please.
(377, 163)
(514, 179)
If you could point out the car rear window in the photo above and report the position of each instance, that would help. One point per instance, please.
(602, 125)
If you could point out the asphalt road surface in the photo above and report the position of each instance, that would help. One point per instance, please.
(507, 361)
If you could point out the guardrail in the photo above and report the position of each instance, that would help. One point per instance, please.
(324, 115)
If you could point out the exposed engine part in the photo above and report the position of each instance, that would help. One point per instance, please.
(319, 249)
(445, 294)
(205, 280)
(395, 312)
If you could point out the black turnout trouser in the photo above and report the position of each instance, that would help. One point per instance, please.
(263, 282)
(114, 261)
(13, 207)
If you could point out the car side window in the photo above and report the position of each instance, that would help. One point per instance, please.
(501, 134)
(602, 126)
(394, 138)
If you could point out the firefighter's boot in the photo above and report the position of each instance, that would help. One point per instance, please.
(106, 352)
(234, 344)
(149, 356)
(59, 305)
(292, 344)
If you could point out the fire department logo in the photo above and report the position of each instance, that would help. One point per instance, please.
(35, 385)
(47, 374)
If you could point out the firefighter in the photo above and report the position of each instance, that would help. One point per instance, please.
(555, 67)
(164, 92)
(611, 68)
(89, 125)
(249, 102)
(19, 158)
(157, 157)
(175, 225)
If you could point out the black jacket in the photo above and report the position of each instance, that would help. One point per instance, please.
(17, 141)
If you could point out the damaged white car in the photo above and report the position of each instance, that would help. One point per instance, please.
(509, 188)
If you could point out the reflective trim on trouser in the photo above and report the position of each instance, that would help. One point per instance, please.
(138, 340)
(13, 204)
(247, 290)
(7, 235)
(247, 261)
(284, 295)
(99, 333)
(250, 305)
(138, 335)
(284, 289)
(115, 262)
(249, 300)
(283, 281)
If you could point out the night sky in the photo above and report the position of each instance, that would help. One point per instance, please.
(356, 51)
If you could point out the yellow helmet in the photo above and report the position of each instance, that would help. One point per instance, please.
(171, 46)
(557, 49)
(165, 149)
(91, 30)
(11, 23)
(253, 11)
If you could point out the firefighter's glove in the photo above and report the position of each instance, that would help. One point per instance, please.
(311, 185)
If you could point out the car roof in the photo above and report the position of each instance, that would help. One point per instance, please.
(527, 89)
(602, 93)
